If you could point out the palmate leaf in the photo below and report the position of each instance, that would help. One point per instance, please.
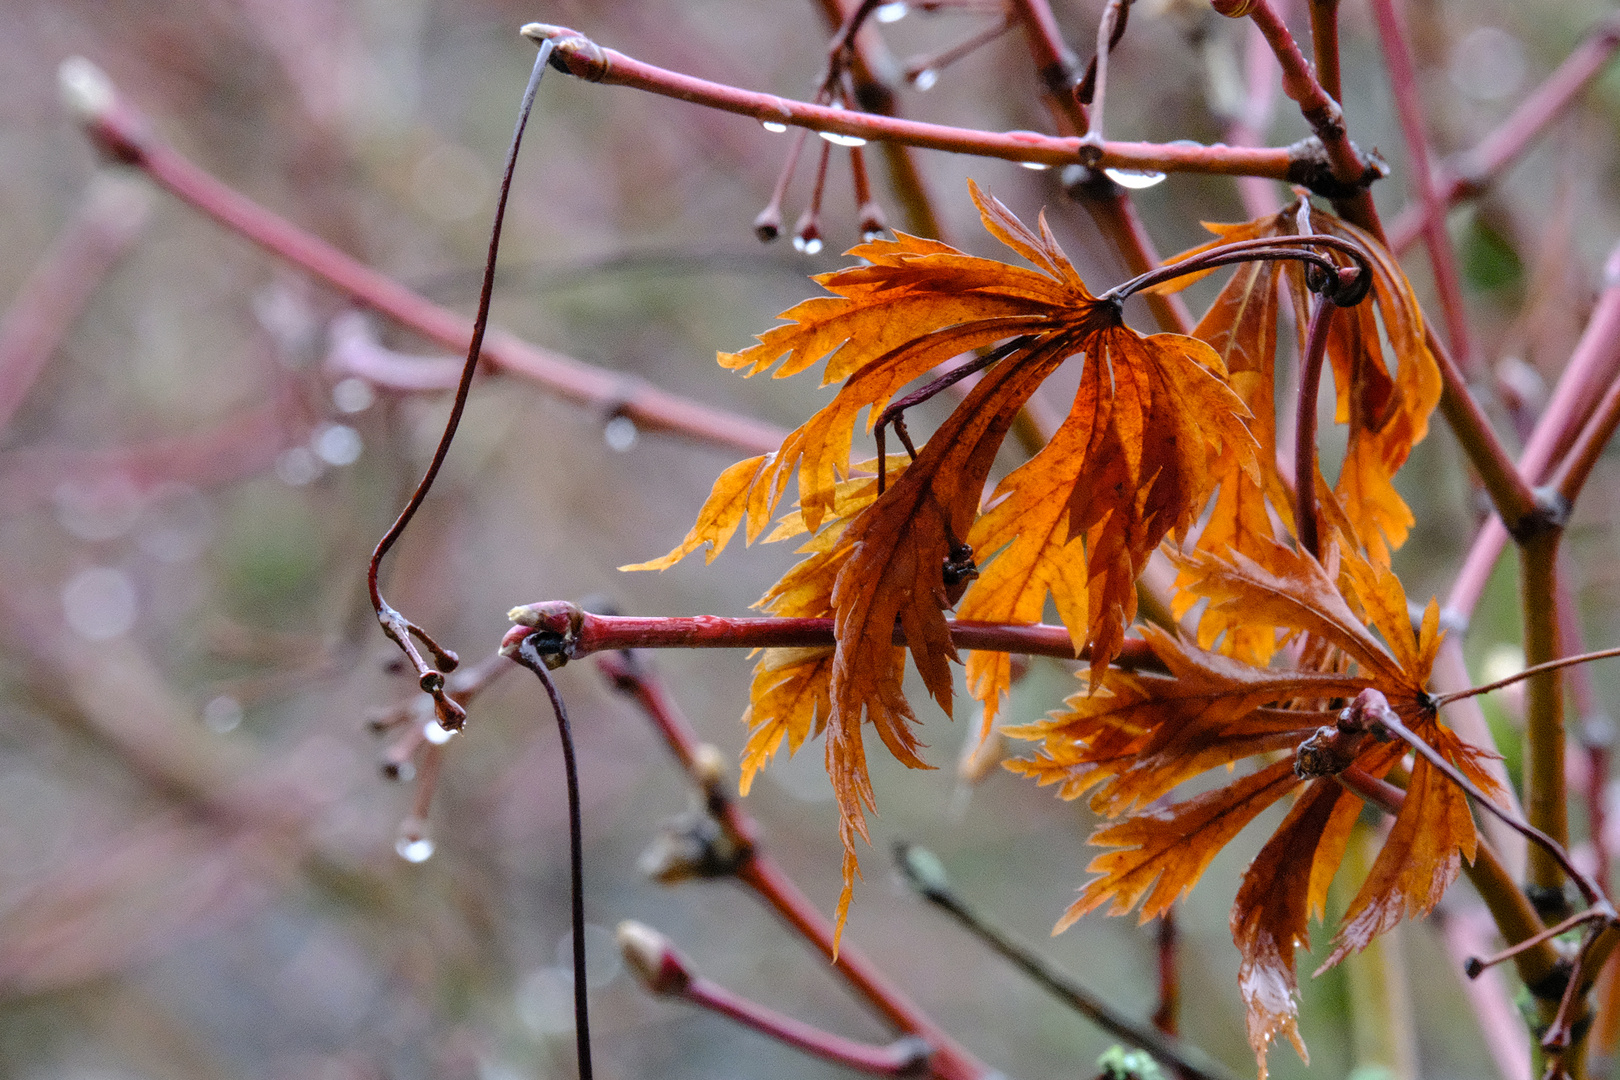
(1151, 430)
(1136, 736)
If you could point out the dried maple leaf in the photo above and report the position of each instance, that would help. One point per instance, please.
(1138, 735)
(1136, 460)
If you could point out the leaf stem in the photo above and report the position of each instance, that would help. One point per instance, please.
(1310, 385)
(1550, 665)
(924, 872)
(396, 626)
(531, 658)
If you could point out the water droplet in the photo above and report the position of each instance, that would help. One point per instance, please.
(338, 444)
(842, 140)
(810, 245)
(620, 433)
(298, 466)
(413, 844)
(773, 127)
(1035, 166)
(891, 13)
(353, 395)
(437, 734)
(99, 603)
(925, 79)
(103, 508)
(1135, 179)
(414, 851)
(222, 714)
(872, 234)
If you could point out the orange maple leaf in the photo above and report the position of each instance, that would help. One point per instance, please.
(1136, 460)
(1139, 735)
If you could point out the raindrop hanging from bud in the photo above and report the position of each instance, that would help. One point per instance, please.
(807, 234)
(925, 79)
(890, 13)
(773, 127)
(1035, 166)
(413, 843)
(437, 734)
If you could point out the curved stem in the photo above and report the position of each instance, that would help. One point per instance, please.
(531, 658)
(1305, 465)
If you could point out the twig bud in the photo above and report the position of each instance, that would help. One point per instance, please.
(649, 954)
(86, 90)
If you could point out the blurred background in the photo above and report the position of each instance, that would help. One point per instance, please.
(199, 868)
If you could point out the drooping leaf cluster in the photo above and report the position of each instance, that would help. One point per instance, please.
(1164, 430)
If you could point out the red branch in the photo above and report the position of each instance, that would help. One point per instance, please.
(762, 874)
(1475, 170)
(581, 633)
(125, 135)
(1442, 258)
(584, 58)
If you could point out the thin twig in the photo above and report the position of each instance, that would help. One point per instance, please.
(1325, 45)
(127, 136)
(926, 875)
(1551, 665)
(1473, 171)
(109, 219)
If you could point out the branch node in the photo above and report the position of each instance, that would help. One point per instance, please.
(1310, 167)
(575, 54)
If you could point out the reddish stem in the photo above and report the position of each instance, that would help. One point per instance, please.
(1322, 112)
(1167, 1015)
(126, 135)
(1474, 171)
(579, 56)
(901, 1058)
(950, 1061)
(1442, 258)
(1325, 45)
(108, 220)
(1592, 368)
(1310, 384)
(579, 633)
(1509, 491)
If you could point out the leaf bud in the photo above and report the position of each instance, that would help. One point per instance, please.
(649, 954)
